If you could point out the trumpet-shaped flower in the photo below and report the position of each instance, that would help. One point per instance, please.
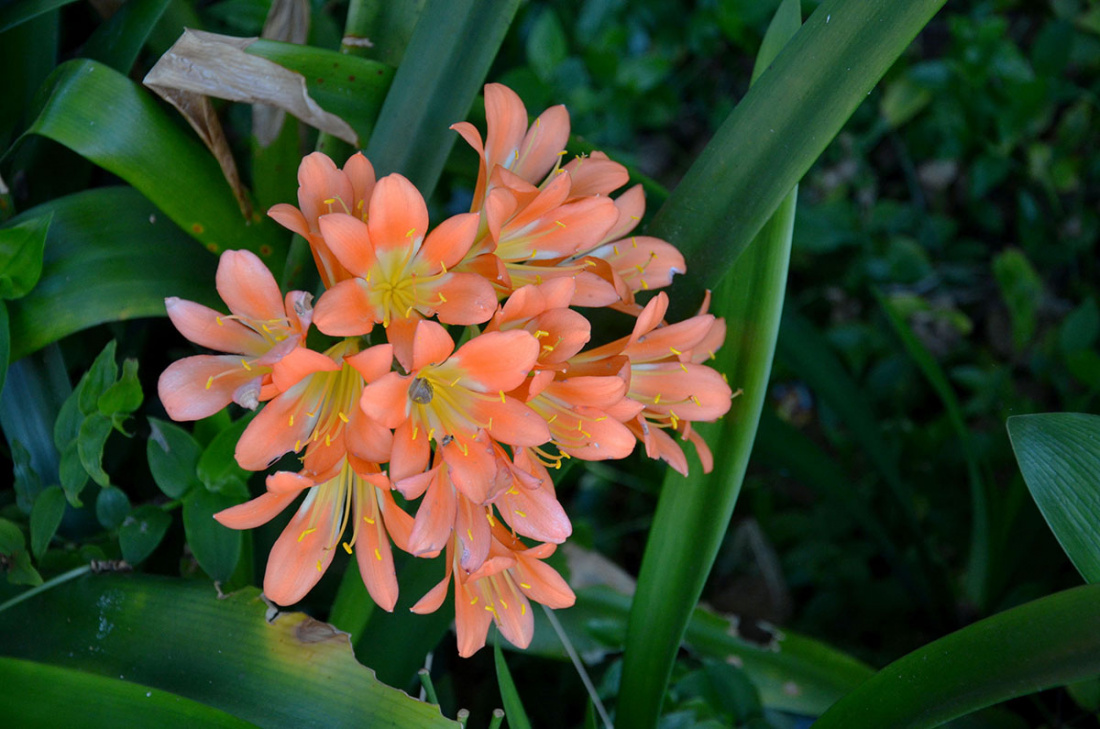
(317, 410)
(457, 400)
(355, 501)
(499, 591)
(399, 271)
(323, 189)
(262, 330)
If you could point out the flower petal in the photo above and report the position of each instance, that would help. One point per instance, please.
(247, 287)
(345, 310)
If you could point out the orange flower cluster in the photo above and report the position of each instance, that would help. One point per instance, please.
(471, 430)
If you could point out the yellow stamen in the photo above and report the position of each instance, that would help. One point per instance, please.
(657, 400)
(246, 365)
(558, 222)
(307, 531)
(209, 382)
(342, 416)
(377, 554)
(502, 396)
(519, 513)
(368, 520)
(291, 424)
(525, 586)
(319, 567)
(347, 547)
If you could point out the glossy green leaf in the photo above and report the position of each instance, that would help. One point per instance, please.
(119, 40)
(101, 375)
(173, 456)
(1048, 642)
(777, 131)
(792, 672)
(94, 432)
(20, 11)
(141, 532)
(216, 548)
(111, 507)
(13, 547)
(123, 396)
(513, 705)
(1059, 455)
(21, 247)
(72, 474)
(36, 694)
(1022, 290)
(111, 121)
(299, 672)
(110, 255)
(46, 516)
(674, 569)
(353, 606)
(448, 57)
(978, 563)
(352, 88)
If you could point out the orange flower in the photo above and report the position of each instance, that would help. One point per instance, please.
(317, 409)
(529, 154)
(399, 271)
(355, 498)
(499, 591)
(666, 378)
(324, 189)
(456, 400)
(262, 330)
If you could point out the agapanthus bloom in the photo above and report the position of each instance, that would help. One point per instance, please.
(468, 433)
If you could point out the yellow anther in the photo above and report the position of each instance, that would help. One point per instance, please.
(512, 491)
(377, 554)
(297, 446)
(291, 423)
(431, 433)
(265, 328)
(525, 586)
(307, 531)
(675, 351)
(368, 520)
(523, 608)
(645, 285)
(342, 416)
(209, 382)
(456, 381)
(330, 201)
(490, 425)
(684, 367)
(633, 241)
(347, 547)
(411, 233)
(415, 431)
(657, 400)
(489, 516)
(470, 535)
(695, 400)
(219, 320)
(319, 567)
(474, 601)
(615, 249)
(442, 299)
(552, 418)
(246, 365)
(558, 222)
(465, 449)
(540, 334)
(519, 513)
(328, 440)
(502, 396)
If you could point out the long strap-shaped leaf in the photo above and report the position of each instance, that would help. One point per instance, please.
(110, 255)
(777, 131)
(1049, 642)
(693, 512)
(178, 636)
(444, 67)
(111, 121)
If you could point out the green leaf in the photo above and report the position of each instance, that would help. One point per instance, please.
(1022, 291)
(674, 569)
(111, 121)
(777, 131)
(46, 516)
(20, 11)
(27, 482)
(110, 255)
(513, 706)
(353, 605)
(111, 507)
(299, 672)
(141, 532)
(118, 41)
(350, 87)
(1059, 456)
(547, 46)
(793, 673)
(173, 456)
(216, 548)
(1048, 642)
(41, 695)
(14, 546)
(1081, 328)
(72, 473)
(90, 443)
(449, 55)
(102, 374)
(21, 247)
(902, 101)
(123, 396)
(217, 467)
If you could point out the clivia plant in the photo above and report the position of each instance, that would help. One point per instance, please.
(388, 380)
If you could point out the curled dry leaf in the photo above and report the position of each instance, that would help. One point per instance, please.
(200, 65)
(287, 21)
